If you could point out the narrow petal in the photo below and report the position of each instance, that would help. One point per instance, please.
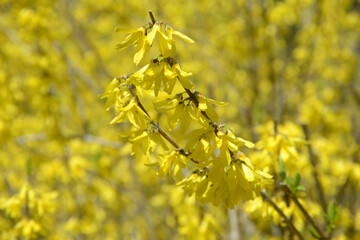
(151, 36)
(181, 72)
(185, 82)
(130, 39)
(168, 72)
(182, 36)
(165, 46)
(216, 102)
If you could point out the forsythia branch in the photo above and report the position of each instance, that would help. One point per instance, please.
(288, 191)
(157, 127)
(313, 162)
(291, 226)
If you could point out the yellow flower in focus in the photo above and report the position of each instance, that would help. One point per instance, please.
(162, 72)
(133, 112)
(171, 164)
(143, 37)
(136, 37)
(146, 141)
(204, 105)
(182, 111)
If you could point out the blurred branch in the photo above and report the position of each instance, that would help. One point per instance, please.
(340, 196)
(341, 191)
(89, 138)
(80, 34)
(355, 94)
(86, 78)
(102, 141)
(288, 191)
(7, 184)
(292, 228)
(34, 137)
(313, 162)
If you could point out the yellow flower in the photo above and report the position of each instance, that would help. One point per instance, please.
(133, 112)
(162, 72)
(182, 111)
(171, 32)
(201, 145)
(165, 38)
(226, 142)
(197, 183)
(143, 38)
(12, 207)
(171, 164)
(204, 105)
(110, 93)
(118, 93)
(146, 140)
(136, 37)
(29, 228)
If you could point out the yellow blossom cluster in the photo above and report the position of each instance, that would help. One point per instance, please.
(221, 173)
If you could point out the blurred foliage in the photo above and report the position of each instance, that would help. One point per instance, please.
(67, 174)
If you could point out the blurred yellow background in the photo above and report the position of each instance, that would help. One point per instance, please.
(67, 174)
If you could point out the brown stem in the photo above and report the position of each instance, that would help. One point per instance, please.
(276, 123)
(182, 151)
(137, 100)
(196, 102)
(303, 210)
(291, 226)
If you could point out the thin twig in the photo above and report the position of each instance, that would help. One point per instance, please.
(196, 102)
(303, 210)
(276, 123)
(291, 226)
(181, 150)
(137, 100)
(152, 17)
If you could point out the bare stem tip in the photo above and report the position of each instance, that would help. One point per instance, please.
(152, 17)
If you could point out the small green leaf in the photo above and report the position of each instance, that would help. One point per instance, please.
(332, 211)
(282, 165)
(314, 233)
(300, 188)
(332, 215)
(291, 182)
(29, 166)
(283, 173)
(297, 180)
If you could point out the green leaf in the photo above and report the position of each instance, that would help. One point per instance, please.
(29, 166)
(332, 215)
(281, 165)
(283, 173)
(297, 180)
(300, 188)
(290, 181)
(332, 211)
(314, 233)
